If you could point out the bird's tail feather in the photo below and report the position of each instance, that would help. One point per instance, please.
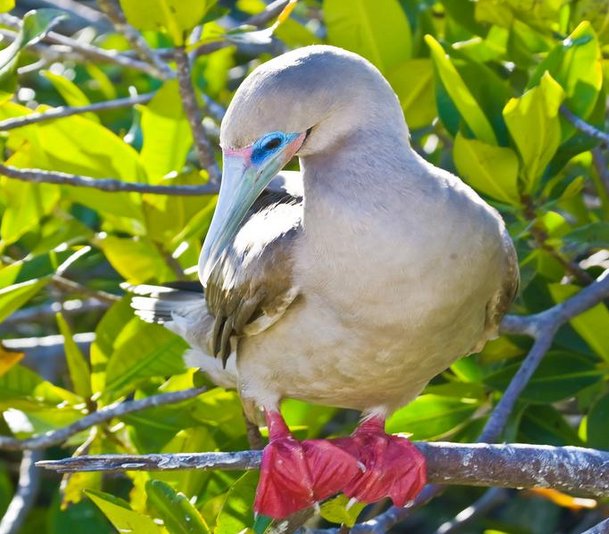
(160, 304)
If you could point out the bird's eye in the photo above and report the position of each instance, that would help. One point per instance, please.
(272, 144)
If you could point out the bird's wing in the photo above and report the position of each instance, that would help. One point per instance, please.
(251, 286)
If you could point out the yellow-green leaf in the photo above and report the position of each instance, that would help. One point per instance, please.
(489, 169)
(77, 365)
(412, 80)
(534, 126)
(176, 17)
(377, 30)
(469, 109)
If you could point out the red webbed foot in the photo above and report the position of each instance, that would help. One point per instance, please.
(295, 475)
(394, 467)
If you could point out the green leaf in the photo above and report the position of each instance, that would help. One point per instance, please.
(16, 295)
(559, 376)
(106, 336)
(142, 351)
(489, 169)
(590, 236)
(432, 416)
(412, 80)
(598, 418)
(461, 96)
(167, 134)
(575, 64)
(545, 425)
(24, 389)
(176, 511)
(27, 203)
(23, 279)
(77, 365)
(378, 30)
(34, 27)
(136, 260)
(176, 17)
(534, 126)
(592, 325)
(236, 513)
(70, 92)
(121, 516)
(337, 510)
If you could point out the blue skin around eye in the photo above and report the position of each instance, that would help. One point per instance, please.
(259, 153)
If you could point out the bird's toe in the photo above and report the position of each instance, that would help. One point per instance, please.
(295, 475)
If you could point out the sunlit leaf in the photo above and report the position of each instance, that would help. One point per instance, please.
(121, 516)
(534, 126)
(453, 84)
(379, 31)
(176, 511)
(176, 17)
(340, 510)
(432, 416)
(236, 513)
(77, 365)
(489, 169)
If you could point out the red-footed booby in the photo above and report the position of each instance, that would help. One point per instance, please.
(370, 274)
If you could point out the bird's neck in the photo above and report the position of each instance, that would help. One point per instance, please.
(362, 176)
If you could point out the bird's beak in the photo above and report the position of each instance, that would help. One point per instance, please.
(242, 182)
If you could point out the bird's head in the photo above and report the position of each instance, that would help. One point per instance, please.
(301, 103)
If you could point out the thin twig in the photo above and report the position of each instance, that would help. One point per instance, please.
(45, 311)
(583, 126)
(572, 469)
(66, 284)
(193, 113)
(139, 44)
(64, 111)
(56, 437)
(84, 49)
(601, 528)
(270, 12)
(25, 496)
(105, 184)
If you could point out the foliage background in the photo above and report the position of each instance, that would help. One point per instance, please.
(482, 84)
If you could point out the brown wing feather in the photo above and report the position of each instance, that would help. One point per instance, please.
(251, 286)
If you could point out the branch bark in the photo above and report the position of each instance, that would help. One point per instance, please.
(139, 44)
(25, 496)
(571, 469)
(195, 119)
(60, 112)
(105, 184)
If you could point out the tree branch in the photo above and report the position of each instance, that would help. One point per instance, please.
(25, 496)
(64, 111)
(542, 327)
(583, 126)
(56, 437)
(601, 528)
(193, 113)
(139, 44)
(105, 184)
(572, 469)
